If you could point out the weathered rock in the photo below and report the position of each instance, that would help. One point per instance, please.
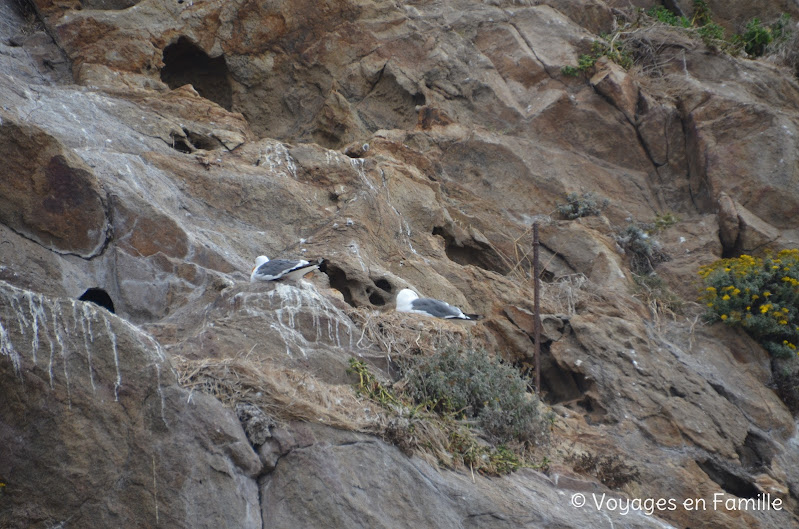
(97, 431)
(460, 132)
(342, 484)
(612, 82)
(48, 193)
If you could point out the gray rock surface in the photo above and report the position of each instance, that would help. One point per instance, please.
(410, 145)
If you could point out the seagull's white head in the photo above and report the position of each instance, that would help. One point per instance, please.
(261, 259)
(405, 298)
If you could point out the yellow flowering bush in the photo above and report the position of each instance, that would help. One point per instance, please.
(761, 295)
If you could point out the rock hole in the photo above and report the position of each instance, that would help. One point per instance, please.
(200, 141)
(376, 299)
(338, 280)
(100, 297)
(547, 276)
(560, 385)
(731, 480)
(186, 63)
(180, 144)
(674, 392)
(383, 284)
(358, 291)
(470, 252)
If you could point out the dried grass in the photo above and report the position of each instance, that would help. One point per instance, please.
(284, 394)
(402, 334)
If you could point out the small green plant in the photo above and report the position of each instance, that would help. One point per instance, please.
(711, 32)
(473, 385)
(369, 386)
(609, 46)
(663, 222)
(760, 295)
(577, 206)
(663, 15)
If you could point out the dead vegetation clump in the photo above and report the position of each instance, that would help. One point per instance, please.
(401, 334)
(282, 393)
(611, 470)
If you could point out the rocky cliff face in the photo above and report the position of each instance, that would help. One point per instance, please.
(152, 149)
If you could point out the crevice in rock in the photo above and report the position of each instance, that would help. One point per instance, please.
(561, 385)
(470, 251)
(674, 392)
(732, 480)
(639, 110)
(181, 144)
(532, 51)
(186, 63)
(338, 280)
(108, 5)
(99, 297)
(699, 197)
(201, 141)
(357, 290)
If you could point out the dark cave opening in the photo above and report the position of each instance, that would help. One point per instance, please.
(100, 297)
(186, 63)
(732, 481)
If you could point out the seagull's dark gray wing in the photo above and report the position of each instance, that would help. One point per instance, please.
(278, 268)
(437, 308)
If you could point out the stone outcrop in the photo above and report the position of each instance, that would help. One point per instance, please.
(98, 433)
(152, 149)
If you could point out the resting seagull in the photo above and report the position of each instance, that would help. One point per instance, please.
(409, 301)
(266, 270)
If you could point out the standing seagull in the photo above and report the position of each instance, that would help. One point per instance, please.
(409, 301)
(266, 270)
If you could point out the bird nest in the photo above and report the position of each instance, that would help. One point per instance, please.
(402, 334)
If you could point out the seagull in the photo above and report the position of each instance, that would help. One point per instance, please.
(266, 270)
(409, 301)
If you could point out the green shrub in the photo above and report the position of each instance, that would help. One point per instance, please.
(473, 385)
(702, 14)
(664, 221)
(760, 295)
(661, 14)
(711, 32)
(758, 39)
(755, 38)
(577, 206)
